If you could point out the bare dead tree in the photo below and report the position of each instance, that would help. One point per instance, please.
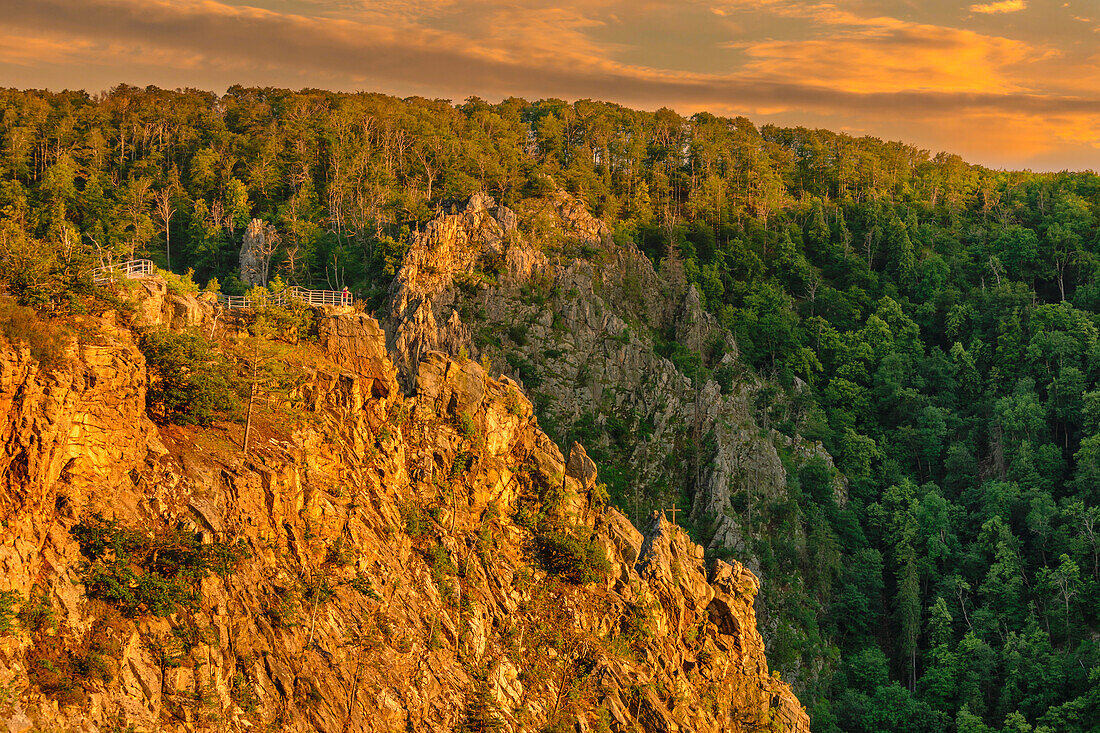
(165, 211)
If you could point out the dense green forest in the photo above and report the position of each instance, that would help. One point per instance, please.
(942, 317)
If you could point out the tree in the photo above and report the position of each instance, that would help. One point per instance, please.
(189, 381)
(1065, 581)
(908, 604)
(165, 211)
(899, 248)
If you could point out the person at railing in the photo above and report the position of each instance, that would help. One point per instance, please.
(344, 296)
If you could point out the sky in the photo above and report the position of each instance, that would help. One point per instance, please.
(1005, 83)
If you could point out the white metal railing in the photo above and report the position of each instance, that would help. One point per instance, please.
(130, 269)
(310, 297)
(321, 297)
(141, 268)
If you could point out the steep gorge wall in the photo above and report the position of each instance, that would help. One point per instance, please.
(390, 582)
(577, 316)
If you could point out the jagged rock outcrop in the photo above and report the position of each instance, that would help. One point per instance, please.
(604, 345)
(156, 305)
(577, 319)
(450, 244)
(258, 245)
(392, 579)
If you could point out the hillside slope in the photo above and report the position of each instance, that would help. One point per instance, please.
(379, 561)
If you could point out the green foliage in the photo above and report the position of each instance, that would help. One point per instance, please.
(181, 284)
(523, 368)
(933, 323)
(189, 383)
(481, 715)
(45, 339)
(8, 600)
(417, 525)
(517, 332)
(47, 275)
(572, 553)
(461, 464)
(291, 321)
(441, 567)
(56, 678)
(466, 425)
(243, 693)
(155, 574)
(36, 614)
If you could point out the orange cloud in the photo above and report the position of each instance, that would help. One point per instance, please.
(894, 57)
(938, 86)
(1001, 6)
(23, 51)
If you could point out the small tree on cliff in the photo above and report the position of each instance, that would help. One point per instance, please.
(188, 380)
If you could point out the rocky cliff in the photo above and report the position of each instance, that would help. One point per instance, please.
(381, 560)
(606, 346)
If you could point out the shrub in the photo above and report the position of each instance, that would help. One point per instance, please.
(725, 375)
(361, 583)
(139, 574)
(513, 404)
(243, 693)
(282, 611)
(688, 361)
(491, 264)
(45, 340)
(481, 710)
(337, 554)
(36, 614)
(56, 679)
(188, 380)
(466, 426)
(316, 590)
(416, 524)
(580, 559)
(622, 338)
(291, 322)
(8, 599)
(461, 464)
(180, 284)
(518, 333)
(600, 495)
(65, 669)
(442, 568)
(524, 369)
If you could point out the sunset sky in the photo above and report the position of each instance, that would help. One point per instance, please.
(1007, 83)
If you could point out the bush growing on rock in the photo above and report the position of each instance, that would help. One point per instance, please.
(481, 713)
(8, 599)
(291, 321)
(36, 614)
(140, 574)
(21, 325)
(578, 558)
(188, 382)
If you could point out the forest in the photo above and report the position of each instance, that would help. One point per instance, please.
(933, 323)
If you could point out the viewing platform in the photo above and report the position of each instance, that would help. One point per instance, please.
(134, 269)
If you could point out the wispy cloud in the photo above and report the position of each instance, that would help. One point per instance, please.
(1001, 6)
(894, 56)
(826, 60)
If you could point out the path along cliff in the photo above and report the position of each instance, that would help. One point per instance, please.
(381, 560)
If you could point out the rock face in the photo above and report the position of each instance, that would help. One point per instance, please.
(403, 567)
(257, 247)
(450, 244)
(549, 299)
(156, 306)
